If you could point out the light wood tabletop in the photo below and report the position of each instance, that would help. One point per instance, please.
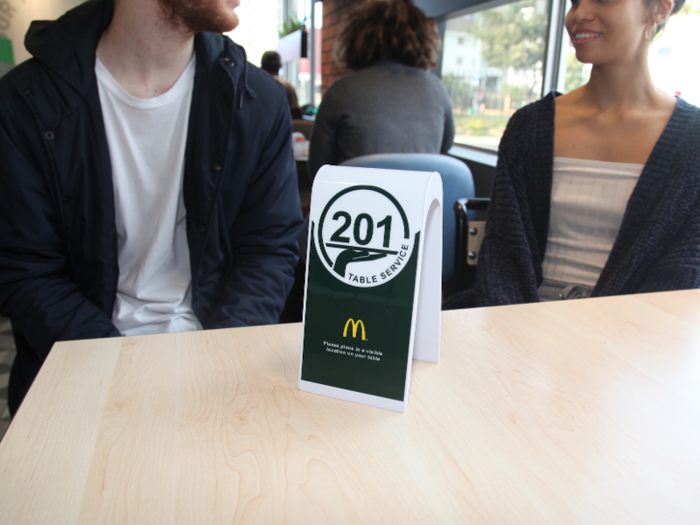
(586, 411)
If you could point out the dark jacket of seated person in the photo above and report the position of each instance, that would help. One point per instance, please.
(390, 103)
(59, 270)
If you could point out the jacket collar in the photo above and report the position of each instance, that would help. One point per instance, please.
(67, 46)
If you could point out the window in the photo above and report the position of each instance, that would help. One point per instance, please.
(506, 64)
(309, 14)
(506, 47)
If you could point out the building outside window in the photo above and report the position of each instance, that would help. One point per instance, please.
(498, 69)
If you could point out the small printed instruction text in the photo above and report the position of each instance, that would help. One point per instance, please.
(351, 351)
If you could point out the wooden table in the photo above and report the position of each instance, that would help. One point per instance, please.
(584, 411)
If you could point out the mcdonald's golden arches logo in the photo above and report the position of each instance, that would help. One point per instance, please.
(354, 324)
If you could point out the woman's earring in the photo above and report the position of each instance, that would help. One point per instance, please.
(649, 32)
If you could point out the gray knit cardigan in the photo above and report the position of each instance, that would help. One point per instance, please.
(387, 107)
(657, 247)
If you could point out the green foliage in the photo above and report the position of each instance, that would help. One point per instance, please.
(480, 125)
(512, 38)
(289, 26)
(512, 35)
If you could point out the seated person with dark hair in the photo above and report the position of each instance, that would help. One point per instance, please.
(147, 180)
(272, 62)
(597, 192)
(390, 103)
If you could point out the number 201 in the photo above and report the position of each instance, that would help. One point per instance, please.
(362, 217)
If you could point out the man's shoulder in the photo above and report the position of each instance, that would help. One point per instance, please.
(271, 93)
(27, 78)
(215, 50)
(32, 86)
(20, 76)
(261, 78)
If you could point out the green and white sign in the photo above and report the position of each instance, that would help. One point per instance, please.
(373, 283)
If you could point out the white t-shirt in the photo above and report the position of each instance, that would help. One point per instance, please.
(589, 199)
(146, 140)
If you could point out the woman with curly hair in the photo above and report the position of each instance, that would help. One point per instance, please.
(390, 103)
(597, 192)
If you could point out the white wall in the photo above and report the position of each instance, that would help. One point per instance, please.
(16, 15)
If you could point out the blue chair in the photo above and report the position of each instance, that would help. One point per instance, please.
(457, 183)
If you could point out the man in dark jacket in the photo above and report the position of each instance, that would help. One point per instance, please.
(117, 214)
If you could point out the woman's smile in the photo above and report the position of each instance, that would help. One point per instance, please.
(580, 38)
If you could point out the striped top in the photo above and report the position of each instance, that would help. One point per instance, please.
(589, 198)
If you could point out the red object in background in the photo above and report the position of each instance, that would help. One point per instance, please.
(677, 94)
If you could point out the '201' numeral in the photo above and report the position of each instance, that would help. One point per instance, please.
(385, 224)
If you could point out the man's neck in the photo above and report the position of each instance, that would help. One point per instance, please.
(142, 50)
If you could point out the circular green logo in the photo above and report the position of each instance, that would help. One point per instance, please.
(363, 236)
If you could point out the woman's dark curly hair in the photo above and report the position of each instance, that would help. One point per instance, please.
(387, 30)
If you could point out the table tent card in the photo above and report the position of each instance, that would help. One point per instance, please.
(373, 283)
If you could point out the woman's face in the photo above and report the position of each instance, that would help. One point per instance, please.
(605, 31)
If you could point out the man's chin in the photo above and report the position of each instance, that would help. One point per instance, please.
(202, 17)
(218, 24)
(233, 23)
(222, 24)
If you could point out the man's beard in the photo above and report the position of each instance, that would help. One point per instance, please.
(195, 16)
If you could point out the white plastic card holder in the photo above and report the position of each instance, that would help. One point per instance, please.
(373, 283)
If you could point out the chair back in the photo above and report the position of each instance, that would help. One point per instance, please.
(457, 182)
(469, 232)
(303, 126)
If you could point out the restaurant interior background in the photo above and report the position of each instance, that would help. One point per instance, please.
(497, 56)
